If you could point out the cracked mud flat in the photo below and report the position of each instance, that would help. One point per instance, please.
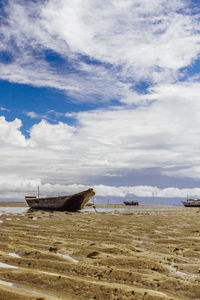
(115, 255)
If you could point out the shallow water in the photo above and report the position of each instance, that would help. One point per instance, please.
(25, 288)
(2, 265)
(12, 210)
(68, 257)
(14, 255)
(129, 209)
(21, 210)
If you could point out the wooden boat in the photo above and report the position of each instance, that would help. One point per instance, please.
(191, 203)
(63, 203)
(131, 202)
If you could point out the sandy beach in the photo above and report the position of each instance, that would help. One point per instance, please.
(131, 254)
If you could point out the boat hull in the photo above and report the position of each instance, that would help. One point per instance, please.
(191, 203)
(131, 202)
(63, 203)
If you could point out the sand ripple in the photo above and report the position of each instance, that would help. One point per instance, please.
(136, 255)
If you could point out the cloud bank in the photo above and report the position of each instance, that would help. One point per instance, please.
(108, 142)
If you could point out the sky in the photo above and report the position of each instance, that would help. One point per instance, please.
(102, 94)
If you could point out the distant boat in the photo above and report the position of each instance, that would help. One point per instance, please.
(63, 203)
(191, 203)
(131, 202)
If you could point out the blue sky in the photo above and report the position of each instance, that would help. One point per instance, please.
(102, 94)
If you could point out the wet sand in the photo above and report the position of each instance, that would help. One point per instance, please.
(133, 254)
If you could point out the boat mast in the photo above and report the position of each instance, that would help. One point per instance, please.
(38, 191)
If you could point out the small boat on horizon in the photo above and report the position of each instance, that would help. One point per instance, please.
(72, 203)
(131, 202)
(191, 203)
